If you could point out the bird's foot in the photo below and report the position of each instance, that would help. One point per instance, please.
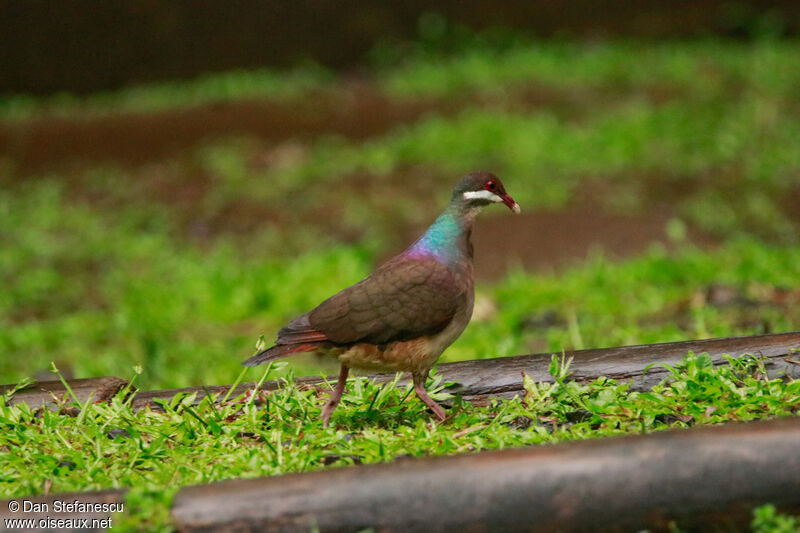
(327, 411)
(437, 410)
(422, 394)
(336, 395)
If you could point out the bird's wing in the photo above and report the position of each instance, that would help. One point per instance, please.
(400, 301)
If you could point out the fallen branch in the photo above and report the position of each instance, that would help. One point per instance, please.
(704, 478)
(41, 393)
(478, 379)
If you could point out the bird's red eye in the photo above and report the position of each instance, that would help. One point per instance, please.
(490, 185)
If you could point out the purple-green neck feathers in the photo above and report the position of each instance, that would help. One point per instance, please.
(448, 238)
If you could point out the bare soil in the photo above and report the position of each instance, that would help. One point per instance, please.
(354, 110)
(136, 138)
(547, 239)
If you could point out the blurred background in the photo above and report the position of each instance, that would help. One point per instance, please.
(177, 179)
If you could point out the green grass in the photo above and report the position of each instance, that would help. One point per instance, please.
(170, 95)
(702, 68)
(767, 520)
(179, 265)
(109, 445)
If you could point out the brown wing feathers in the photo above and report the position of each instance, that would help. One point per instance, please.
(399, 301)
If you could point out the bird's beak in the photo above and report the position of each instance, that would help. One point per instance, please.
(514, 206)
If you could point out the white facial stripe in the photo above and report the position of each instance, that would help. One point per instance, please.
(482, 195)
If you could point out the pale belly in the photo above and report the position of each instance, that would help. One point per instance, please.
(416, 356)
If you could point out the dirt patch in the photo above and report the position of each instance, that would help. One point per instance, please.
(355, 110)
(135, 138)
(546, 239)
(791, 202)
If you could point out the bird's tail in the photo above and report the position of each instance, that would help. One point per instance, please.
(280, 350)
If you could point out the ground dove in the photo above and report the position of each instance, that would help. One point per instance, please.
(403, 315)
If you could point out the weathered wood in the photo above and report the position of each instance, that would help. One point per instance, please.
(78, 511)
(47, 393)
(478, 379)
(705, 479)
(148, 398)
(780, 353)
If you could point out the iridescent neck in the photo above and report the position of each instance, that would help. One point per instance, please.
(447, 239)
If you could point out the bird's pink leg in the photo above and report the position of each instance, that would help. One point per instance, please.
(336, 395)
(422, 394)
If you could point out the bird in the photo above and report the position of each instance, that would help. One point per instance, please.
(409, 310)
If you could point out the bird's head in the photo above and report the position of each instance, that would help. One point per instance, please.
(479, 189)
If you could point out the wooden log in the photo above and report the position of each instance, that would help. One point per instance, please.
(48, 393)
(478, 379)
(780, 353)
(501, 377)
(74, 511)
(704, 479)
